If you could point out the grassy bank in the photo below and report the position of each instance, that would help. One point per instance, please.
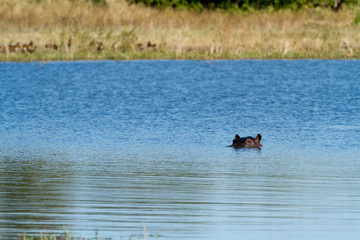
(122, 31)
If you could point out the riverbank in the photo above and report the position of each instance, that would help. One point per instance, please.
(65, 30)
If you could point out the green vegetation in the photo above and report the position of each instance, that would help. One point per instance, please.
(357, 18)
(200, 5)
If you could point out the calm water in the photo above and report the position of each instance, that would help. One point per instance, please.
(110, 147)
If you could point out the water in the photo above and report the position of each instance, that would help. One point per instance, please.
(122, 149)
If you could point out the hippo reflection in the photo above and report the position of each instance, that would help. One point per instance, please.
(246, 142)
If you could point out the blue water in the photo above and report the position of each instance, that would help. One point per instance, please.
(122, 149)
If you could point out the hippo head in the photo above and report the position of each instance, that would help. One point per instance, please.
(247, 142)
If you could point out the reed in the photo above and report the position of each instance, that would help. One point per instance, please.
(124, 31)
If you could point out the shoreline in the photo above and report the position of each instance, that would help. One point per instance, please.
(45, 60)
(133, 56)
(199, 58)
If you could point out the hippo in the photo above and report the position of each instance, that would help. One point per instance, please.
(246, 142)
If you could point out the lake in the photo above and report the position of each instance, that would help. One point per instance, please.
(123, 149)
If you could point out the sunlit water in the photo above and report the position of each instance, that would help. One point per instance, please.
(122, 149)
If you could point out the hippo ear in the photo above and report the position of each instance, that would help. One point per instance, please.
(258, 137)
(237, 137)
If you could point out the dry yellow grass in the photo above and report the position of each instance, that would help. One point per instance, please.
(308, 33)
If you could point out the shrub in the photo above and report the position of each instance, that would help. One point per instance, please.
(357, 18)
(239, 4)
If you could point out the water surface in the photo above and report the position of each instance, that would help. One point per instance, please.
(110, 147)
